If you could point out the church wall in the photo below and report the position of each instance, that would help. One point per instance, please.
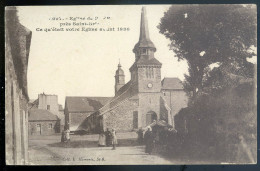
(143, 80)
(121, 117)
(148, 102)
(176, 100)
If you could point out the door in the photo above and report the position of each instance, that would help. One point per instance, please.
(38, 129)
(150, 117)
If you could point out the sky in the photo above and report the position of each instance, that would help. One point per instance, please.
(84, 63)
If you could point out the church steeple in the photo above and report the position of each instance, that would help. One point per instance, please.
(144, 46)
(119, 78)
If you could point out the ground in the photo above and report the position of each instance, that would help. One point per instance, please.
(83, 150)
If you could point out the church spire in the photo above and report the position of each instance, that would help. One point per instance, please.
(144, 31)
(144, 42)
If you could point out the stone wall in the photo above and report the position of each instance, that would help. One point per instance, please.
(44, 127)
(148, 102)
(143, 80)
(121, 117)
(16, 97)
(176, 100)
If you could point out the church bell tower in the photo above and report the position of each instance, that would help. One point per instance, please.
(146, 71)
(146, 76)
(119, 78)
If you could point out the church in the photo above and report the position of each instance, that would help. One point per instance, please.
(145, 98)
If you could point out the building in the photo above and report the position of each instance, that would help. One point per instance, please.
(176, 98)
(49, 113)
(77, 109)
(18, 40)
(43, 122)
(142, 100)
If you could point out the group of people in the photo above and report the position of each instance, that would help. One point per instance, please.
(108, 138)
(146, 138)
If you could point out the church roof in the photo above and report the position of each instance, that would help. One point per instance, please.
(41, 115)
(144, 39)
(120, 71)
(172, 84)
(85, 104)
(124, 93)
(147, 61)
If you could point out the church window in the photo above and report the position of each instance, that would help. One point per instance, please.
(146, 71)
(135, 119)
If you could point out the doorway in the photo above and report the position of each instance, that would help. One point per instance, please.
(150, 117)
(38, 129)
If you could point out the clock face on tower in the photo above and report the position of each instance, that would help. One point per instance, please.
(150, 85)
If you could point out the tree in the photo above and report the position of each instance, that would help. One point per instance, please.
(208, 34)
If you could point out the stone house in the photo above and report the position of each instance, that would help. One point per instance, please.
(49, 103)
(18, 40)
(43, 122)
(144, 98)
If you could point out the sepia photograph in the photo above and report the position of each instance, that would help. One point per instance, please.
(131, 84)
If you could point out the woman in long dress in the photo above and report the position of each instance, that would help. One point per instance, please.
(149, 141)
(102, 139)
(114, 139)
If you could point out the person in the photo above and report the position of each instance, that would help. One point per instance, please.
(149, 141)
(102, 139)
(63, 136)
(114, 139)
(67, 135)
(108, 137)
(140, 137)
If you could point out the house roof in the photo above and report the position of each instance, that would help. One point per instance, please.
(85, 104)
(172, 84)
(41, 115)
(32, 104)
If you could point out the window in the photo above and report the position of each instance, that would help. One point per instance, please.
(48, 107)
(50, 126)
(135, 119)
(149, 71)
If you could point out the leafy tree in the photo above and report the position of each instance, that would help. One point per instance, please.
(208, 34)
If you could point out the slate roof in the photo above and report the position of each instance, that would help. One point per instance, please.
(172, 84)
(33, 104)
(125, 92)
(146, 61)
(41, 115)
(85, 104)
